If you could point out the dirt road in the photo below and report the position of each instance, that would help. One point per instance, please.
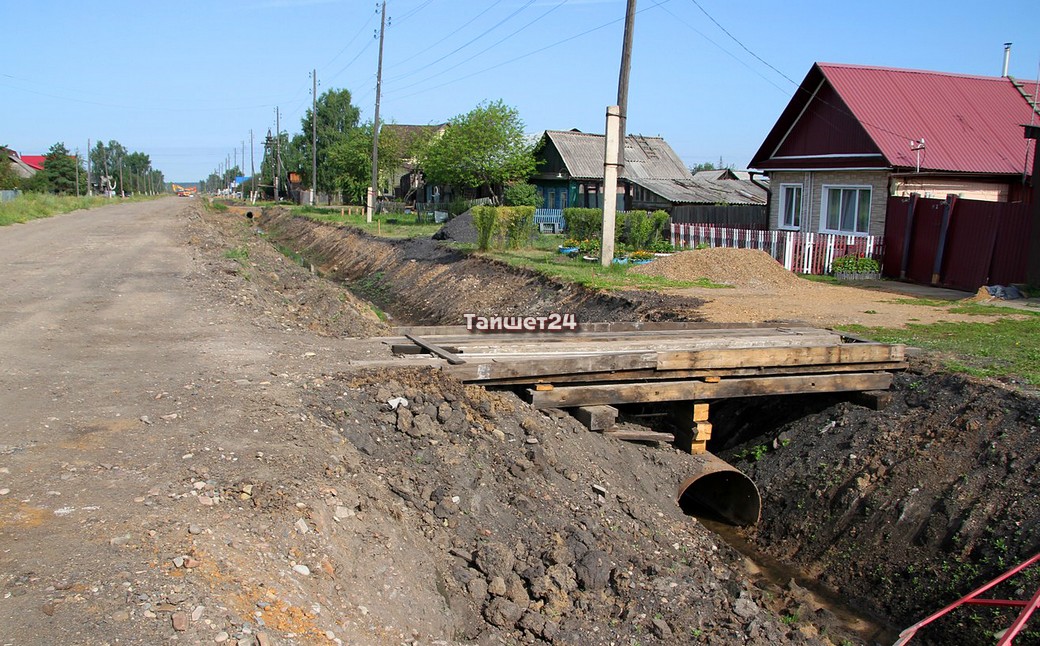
(120, 368)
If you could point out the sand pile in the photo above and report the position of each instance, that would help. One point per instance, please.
(737, 267)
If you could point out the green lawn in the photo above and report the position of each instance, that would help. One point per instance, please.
(32, 206)
(1008, 348)
(387, 225)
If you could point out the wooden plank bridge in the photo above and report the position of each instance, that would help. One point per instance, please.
(690, 364)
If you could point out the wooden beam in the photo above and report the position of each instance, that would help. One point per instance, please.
(779, 356)
(570, 396)
(604, 326)
(640, 436)
(596, 418)
(435, 349)
(513, 368)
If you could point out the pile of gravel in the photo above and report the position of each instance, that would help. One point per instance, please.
(459, 229)
(737, 267)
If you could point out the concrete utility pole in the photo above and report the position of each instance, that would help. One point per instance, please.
(614, 147)
(122, 191)
(77, 172)
(252, 166)
(375, 127)
(277, 150)
(314, 136)
(90, 190)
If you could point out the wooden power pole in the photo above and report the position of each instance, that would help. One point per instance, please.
(277, 150)
(614, 142)
(314, 136)
(375, 127)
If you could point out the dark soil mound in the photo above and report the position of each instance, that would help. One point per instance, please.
(459, 229)
(906, 509)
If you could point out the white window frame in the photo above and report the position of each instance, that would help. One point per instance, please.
(825, 202)
(780, 224)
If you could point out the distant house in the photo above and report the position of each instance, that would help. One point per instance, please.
(408, 182)
(570, 174)
(852, 136)
(24, 167)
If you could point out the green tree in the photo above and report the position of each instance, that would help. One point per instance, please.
(8, 178)
(337, 119)
(59, 170)
(521, 194)
(349, 162)
(483, 148)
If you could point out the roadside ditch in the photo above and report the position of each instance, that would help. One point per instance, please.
(897, 512)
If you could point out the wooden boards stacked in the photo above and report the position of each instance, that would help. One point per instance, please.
(620, 363)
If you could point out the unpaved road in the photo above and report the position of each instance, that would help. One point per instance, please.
(117, 368)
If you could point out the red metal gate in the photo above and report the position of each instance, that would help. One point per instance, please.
(961, 244)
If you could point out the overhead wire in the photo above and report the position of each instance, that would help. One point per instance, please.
(451, 33)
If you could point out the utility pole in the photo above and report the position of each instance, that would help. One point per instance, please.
(277, 151)
(614, 146)
(314, 136)
(122, 191)
(89, 189)
(252, 165)
(375, 127)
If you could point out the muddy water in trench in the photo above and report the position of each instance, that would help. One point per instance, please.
(775, 574)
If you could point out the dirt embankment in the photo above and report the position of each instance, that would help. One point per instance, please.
(906, 509)
(420, 281)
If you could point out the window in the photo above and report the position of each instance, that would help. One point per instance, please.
(846, 209)
(790, 206)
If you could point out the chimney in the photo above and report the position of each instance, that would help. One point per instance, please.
(1007, 59)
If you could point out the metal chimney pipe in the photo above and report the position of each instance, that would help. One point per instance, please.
(1007, 59)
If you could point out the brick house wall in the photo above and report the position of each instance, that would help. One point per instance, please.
(813, 183)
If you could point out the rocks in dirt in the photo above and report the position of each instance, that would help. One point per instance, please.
(660, 628)
(494, 559)
(180, 621)
(503, 613)
(593, 570)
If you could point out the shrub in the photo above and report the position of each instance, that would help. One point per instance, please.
(458, 206)
(521, 194)
(853, 264)
(518, 224)
(485, 219)
(583, 223)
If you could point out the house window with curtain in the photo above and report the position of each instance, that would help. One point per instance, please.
(845, 209)
(790, 206)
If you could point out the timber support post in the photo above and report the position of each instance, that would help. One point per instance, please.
(693, 430)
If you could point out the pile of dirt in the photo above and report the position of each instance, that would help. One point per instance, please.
(527, 528)
(737, 267)
(459, 229)
(906, 509)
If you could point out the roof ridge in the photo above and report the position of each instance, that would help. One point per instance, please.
(905, 70)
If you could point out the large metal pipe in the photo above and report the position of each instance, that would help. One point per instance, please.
(718, 489)
(1007, 59)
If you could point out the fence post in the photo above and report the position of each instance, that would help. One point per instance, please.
(951, 201)
(903, 267)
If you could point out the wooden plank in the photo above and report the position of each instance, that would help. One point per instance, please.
(412, 348)
(596, 418)
(626, 393)
(669, 375)
(779, 356)
(597, 326)
(543, 366)
(435, 349)
(640, 436)
(677, 344)
(874, 399)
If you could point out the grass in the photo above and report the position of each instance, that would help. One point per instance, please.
(1008, 348)
(387, 225)
(238, 254)
(32, 206)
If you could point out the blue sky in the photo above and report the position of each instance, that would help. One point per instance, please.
(185, 82)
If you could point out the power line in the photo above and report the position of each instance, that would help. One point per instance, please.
(462, 46)
(452, 33)
(349, 43)
(528, 54)
(414, 11)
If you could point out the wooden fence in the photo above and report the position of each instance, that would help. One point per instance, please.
(804, 253)
(740, 216)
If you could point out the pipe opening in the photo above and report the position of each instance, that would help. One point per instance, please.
(718, 491)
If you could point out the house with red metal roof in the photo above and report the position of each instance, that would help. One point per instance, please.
(852, 136)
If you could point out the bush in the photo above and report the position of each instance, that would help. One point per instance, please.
(485, 219)
(853, 264)
(458, 206)
(521, 194)
(518, 224)
(583, 223)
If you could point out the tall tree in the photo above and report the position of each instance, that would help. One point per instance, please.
(8, 178)
(483, 148)
(337, 118)
(59, 169)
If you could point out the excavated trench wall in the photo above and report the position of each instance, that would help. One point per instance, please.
(421, 282)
